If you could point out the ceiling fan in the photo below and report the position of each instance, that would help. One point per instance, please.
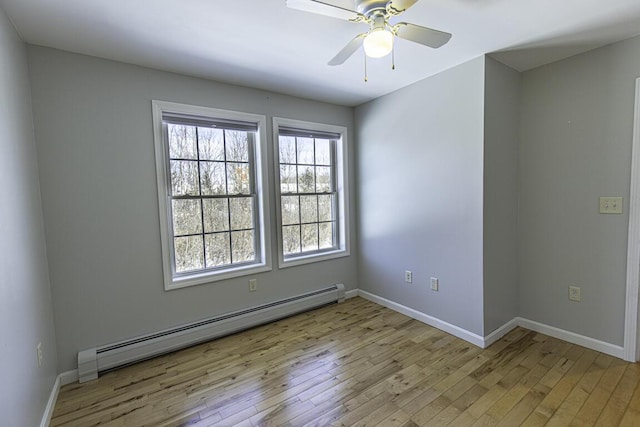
(378, 41)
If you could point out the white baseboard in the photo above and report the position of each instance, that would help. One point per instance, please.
(573, 338)
(62, 379)
(484, 342)
(500, 332)
(351, 294)
(51, 403)
(68, 377)
(454, 330)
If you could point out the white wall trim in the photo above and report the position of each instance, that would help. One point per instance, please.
(484, 342)
(171, 280)
(351, 294)
(342, 189)
(500, 332)
(584, 341)
(51, 403)
(425, 318)
(68, 377)
(62, 379)
(633, 244)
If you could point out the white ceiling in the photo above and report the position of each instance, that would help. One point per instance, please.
(263, 44)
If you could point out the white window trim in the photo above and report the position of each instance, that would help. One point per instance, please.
(264, 221)
(342, 189)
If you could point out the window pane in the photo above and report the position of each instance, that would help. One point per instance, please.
(211, 144)
(326, 235)
(241, 212)
(325, 211)
(189, 253)
(309, 237)
(308, 208)
(287, 148)
(238, 178)
(323, 152)
(288, 180)
(306, 179)
(212, 179)
(182, 142)
(291, 239)
(242, 246)
(184, 178)
(305, 151)
(218, 249)
(323, 179)
(290, 210)
(186, 217)
(237, 146)
(216, 215)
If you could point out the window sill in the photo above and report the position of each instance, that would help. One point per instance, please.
(200, 279)
(308, 259)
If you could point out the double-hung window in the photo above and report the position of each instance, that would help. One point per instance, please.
(212, 204)
(312, 191)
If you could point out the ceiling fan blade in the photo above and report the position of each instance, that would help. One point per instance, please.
(396, 7)
(348, 50)
(423, 35)
(326, 9)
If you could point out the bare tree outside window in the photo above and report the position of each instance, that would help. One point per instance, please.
(212, 196)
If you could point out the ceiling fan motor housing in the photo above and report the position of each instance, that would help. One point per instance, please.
(370, 7)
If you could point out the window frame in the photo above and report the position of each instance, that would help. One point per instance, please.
(341, 182)
(177, 280)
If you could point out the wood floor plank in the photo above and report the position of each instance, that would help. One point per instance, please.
(614, 410)
(563, 387)
(580, 393)
(630, 418)
(590, 411)
(398, 418)
(360, 364)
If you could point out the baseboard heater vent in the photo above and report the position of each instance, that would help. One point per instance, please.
(94, 361)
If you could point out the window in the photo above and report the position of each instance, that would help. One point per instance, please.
(311, 190)
(212, 206)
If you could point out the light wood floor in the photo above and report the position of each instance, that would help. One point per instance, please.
(358, 363)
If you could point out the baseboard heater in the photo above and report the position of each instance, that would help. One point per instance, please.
(94, 361)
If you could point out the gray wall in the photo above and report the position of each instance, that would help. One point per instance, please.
(26, 316)
(420, 179)
(501, 115)
(96, 155)
(442, 153)
(576, 135)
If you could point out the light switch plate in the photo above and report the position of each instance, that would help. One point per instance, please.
(610, 205)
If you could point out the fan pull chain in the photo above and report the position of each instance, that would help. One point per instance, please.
(366, 79)
(393, 59)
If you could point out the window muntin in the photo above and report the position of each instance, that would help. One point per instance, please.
(311, 191)
(210, 184)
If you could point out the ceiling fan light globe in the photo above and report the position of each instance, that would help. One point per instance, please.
(378, 43)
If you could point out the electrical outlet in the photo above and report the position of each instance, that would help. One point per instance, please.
(253, 285)
(408, 276)
(434, 283)
(40, 354)
(574, 293)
